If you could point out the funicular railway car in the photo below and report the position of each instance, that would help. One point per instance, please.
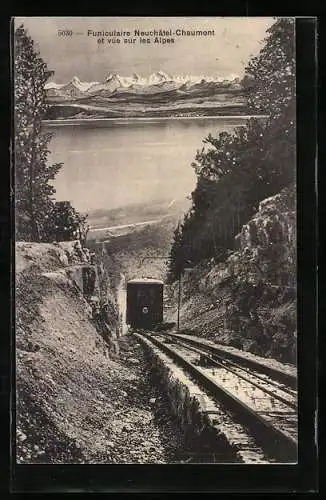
(144, 303)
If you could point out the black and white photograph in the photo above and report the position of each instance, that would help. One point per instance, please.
(155, 281)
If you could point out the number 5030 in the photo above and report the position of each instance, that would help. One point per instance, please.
(64, 32)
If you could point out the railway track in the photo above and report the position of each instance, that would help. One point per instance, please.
(285, 378)
(263, 404)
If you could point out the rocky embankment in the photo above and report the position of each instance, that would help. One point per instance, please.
(249, 301)
(82, 395)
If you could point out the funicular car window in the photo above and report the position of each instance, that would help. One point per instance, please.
(147, 293)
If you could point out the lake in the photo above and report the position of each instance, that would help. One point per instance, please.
(111, 163)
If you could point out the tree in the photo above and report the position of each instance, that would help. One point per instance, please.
(33, 192)
(236, 171)
(66, 224)
(272, 77)
(176, 261)
(271, 74)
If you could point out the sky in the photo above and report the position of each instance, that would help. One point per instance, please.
(224, 54)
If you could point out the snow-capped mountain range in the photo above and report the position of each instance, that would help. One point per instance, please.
(135, 83)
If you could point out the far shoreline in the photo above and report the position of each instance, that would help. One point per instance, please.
(83, 121)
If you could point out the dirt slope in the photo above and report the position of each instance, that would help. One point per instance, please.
(77, 402)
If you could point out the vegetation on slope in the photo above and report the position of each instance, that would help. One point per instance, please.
(38, 216)
(236, 171)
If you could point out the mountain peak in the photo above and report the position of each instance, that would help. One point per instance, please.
(142, 84)
(79, 85)
(158, 77)
(112, 76)
(75, 80)
(160, 74)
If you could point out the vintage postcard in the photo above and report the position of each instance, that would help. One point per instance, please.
(155, 240)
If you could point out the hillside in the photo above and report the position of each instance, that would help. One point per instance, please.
(81, 396)
(136, 218)
(142, 251)
(137, 212)
(249, 301)
(107, 109)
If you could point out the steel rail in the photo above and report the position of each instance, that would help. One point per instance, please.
(281, 376)
(274, 441)
(218, 363)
